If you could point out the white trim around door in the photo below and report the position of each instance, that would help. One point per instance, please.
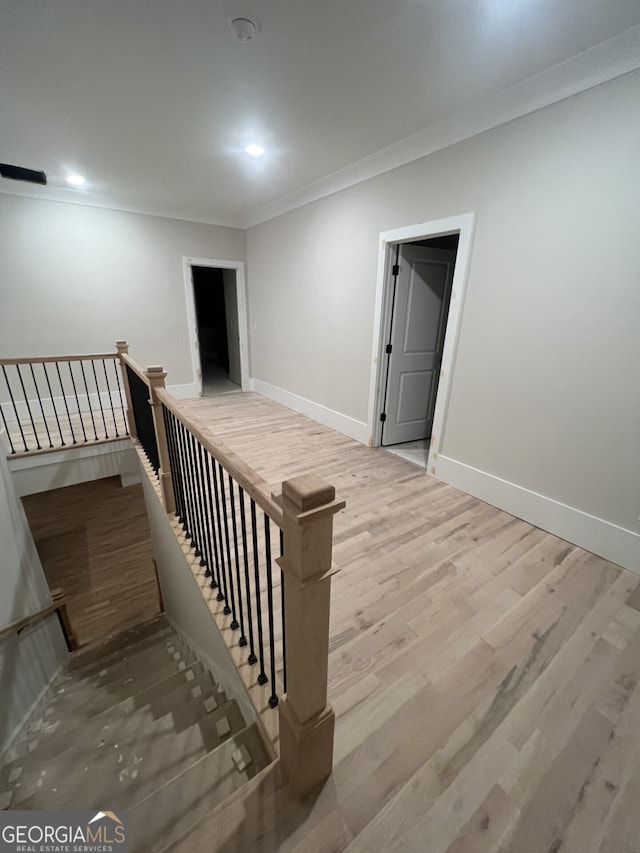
(464, 225)
(192, 324)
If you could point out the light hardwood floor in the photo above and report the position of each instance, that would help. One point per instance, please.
(93, 540)
(484, 673)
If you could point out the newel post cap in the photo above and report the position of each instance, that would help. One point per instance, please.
(308, 492)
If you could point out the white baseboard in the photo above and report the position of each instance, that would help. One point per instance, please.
(617, 544)
(336, 420)
(184, 392)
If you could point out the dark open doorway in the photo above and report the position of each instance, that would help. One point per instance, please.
(216, 305)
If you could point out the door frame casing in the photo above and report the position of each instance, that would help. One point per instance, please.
(192, 320)
(464, 225)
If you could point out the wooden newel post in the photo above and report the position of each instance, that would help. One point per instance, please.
(123, 349)
(306, 720)
(155, 376)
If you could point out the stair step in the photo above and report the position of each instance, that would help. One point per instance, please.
(109, 726)
(52, 727)
(123, 772)
(172, 810)
(131, 659)
(177, 690)
(91, 701)
(152, 630)
(233, 823)
(192, 713)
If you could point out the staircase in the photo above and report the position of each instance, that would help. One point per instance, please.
(138, 724)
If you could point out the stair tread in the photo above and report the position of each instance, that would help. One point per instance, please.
(49, 739)
(92, 700)
(102, 672)
(145, 724)
(175, 808)
(218, 829)
(152, 628)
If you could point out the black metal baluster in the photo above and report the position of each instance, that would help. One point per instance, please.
(205, 560)
(222, 589)
(26, 400)
(86, 388)
(190, 521)
(119, 387)
(95, 377)
(113, 412)
(234, 622)
(182, 510)
(44, 417)
(262, 676)
(196, 495)
(73, 385)
(64, 398)
(200, 548)
(245, 556)
(282, 605)
(273, 699)
(175, 474)
(234, 524)
(215, 576)
(15, 408)
(6, 429)
(187, 525)
(53, 403)
(186, 518)
(195, 527)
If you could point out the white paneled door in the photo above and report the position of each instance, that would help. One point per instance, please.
(422, 291)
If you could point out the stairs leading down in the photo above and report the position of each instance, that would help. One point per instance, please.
(139, 724)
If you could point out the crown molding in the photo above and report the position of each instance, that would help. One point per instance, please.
(613, 58)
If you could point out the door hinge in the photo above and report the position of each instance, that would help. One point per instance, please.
(395, 269)
(383, 417)
(389, 349)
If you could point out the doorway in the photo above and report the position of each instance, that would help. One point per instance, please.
(422, 273)
(217, 324)
(214, 293)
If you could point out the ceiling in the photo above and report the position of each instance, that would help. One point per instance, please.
(153, 101)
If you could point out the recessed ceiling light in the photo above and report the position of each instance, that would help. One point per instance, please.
(254, 150)
(75, 180)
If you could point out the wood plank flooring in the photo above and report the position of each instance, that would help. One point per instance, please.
(483, 672)
(94, 541)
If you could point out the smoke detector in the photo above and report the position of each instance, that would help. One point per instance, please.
(244, 29)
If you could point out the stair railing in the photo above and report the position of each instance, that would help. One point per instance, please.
(55, 402)
(140, 417)
(269, 558)
(59, 607)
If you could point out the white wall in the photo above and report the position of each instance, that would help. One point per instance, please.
(75, 279)
(545, 389)
(27, 662)
(56, 470)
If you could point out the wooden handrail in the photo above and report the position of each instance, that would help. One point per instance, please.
(19, 625)
(50, 359)
(140, 371)
(252, 483)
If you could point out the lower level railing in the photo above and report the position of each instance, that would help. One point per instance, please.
(61, 401)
